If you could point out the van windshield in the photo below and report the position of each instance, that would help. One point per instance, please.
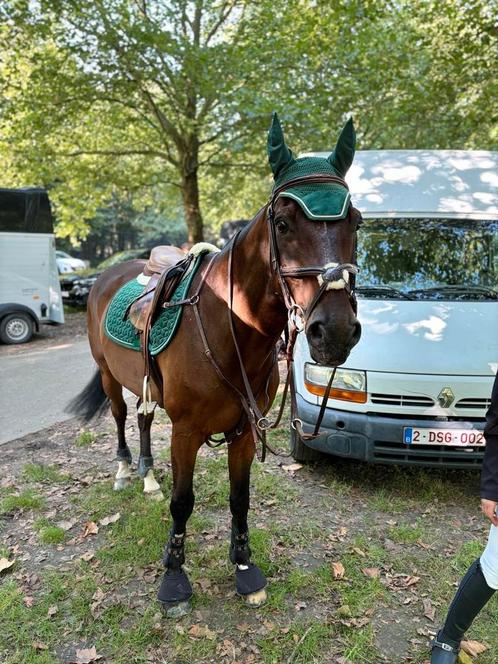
(428, 259)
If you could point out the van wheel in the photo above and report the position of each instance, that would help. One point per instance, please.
(16, 328)
(299, 451)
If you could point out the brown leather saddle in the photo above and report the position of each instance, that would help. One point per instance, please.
(161, 274)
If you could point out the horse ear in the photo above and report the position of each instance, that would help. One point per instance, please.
(341, 157)
(279, 154)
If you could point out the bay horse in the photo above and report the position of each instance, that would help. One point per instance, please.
(219, 374)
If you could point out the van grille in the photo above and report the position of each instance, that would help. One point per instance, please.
(478, 404)
(401, 400)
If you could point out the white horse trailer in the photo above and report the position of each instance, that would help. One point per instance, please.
(29, 284)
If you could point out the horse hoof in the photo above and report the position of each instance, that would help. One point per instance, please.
(176, 610)
(255, 600)
(122, 483)
(156, 495)
(250, 583)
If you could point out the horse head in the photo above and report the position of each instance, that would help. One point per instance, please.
(313, 229)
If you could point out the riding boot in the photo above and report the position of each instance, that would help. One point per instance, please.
(472, 595)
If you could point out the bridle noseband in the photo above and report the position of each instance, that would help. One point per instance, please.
(331, 276)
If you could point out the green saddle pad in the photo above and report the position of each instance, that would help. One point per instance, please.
(122, 332)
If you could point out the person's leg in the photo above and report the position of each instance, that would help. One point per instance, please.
(475, 590)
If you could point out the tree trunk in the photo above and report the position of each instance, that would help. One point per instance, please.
(193, 217)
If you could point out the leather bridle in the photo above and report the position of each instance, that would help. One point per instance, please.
(330, 276)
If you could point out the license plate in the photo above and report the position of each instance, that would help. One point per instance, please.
(451, 437)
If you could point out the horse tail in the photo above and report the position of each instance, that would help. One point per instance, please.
(91, 401)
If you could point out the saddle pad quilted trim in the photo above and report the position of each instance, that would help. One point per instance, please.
(122, 331)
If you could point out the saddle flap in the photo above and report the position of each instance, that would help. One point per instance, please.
(139, 311)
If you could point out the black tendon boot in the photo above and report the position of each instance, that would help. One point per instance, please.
(472, 595)
(248, 577)
(175, 586)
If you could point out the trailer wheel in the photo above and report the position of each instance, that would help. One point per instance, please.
(16, 328)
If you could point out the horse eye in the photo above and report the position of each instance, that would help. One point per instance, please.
(282, 226)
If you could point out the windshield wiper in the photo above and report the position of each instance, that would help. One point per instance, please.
(457, 290)
(383, 291)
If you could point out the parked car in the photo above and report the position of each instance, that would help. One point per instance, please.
(75, 287)
(415, 389)
(29, 285)
(66, 263)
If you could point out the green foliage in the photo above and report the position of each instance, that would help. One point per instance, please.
(37, 472)
(170, 100)
(85, 438)
(26, 500)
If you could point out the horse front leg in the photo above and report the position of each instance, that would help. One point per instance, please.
(175, 590)
(249, 579)
(145, 467)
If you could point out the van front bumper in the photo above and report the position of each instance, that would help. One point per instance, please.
(378, 438)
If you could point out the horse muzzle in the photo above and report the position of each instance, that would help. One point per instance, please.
(330, 342)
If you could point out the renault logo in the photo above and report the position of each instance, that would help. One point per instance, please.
(446, 397)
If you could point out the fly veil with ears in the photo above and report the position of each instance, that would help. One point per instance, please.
(317, 185)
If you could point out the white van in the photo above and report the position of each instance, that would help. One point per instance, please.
(415, 389)
(30, 292)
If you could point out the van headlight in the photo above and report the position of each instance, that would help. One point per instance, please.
(348, 385)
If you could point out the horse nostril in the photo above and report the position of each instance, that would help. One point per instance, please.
(316, 332)
(356, 332)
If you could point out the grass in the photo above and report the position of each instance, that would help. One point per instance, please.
(48, 533)
(36, 472)
(24, 501)
(295, 526)
(85, 438)
(406, 533)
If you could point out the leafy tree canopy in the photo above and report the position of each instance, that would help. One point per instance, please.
(169, 100)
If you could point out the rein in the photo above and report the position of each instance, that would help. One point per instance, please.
(330, 276)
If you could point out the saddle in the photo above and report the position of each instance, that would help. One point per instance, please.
(161, 274)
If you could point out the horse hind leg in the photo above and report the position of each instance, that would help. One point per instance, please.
(114, 391)
(145, 468)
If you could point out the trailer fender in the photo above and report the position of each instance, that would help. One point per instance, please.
(13, 307)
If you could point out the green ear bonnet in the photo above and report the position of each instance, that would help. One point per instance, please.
(319, 202)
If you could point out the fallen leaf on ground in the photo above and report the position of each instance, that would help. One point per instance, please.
(38, 645)
(359, 552)
(371, 572)
(463, 658)
(87, 556)
(6, 564)
(201, 631)
(338, 570)
(91, 528)
(429, 610)
(52, 610)
(473, 648)
(28, 601)
(291, 468)
(87, 655)
(411, 581)
(110, 519)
